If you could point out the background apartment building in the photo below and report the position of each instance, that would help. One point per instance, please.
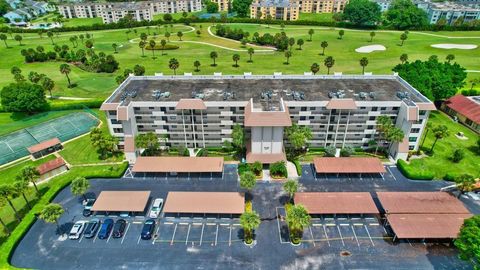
(451, 12)
(200, 111)
(112, 12)
(223, 5)
(322, 6)
(275, 9)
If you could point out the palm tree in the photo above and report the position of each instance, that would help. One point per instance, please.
(465, 183)
(450, 58)
(174, 64)
(214, 56)
(324, 45)
(19, 39)
(51, 213)
(9, 193)
(249, 222)
(180, 35)
(248, 180)
(4, 38)
(372, 35)
(314, 68)
(329, 62)
(428, 126)
(250, 52)
(395, 135)
(300, 42)
(48, 84)
(114, 46)
(143, 36)
(340, 34)
(310, 33)
(72, 40)
(89, 45)
(290, 187)
(288, 54)
(50, 35)
(291, 42)
(163, 43)
(403, 58)
(29, 174)
(21, 187)
(65, 69)
(167, 35)
(297, 219)
(142, 45)
(473, 83)
(363, 63)
(3, 202)
(384, 122)
(236, 58)
(439, 132)
(152, 44)
(80, 186)
(196, 64)
(403, 37)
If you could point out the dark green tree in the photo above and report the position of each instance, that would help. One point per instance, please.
(23, 97)
(404, 14)
(362, 12)
(148, 141)
(468, 242)
(242, 7)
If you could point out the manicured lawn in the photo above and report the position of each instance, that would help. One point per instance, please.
(10, 173)
(81, 22)
(316, 17)
(93, 85)
(440, 163)
(14, 121)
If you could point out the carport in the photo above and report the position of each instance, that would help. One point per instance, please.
(205, 203)
(337, 203)
(423, 215)
(133, 202)
(178, 167)
(347, 165)
(44, 148)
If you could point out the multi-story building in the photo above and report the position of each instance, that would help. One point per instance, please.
(275, 9)
(114, 11)
(451, 12)
(465, 110)
(322, 6)
(223, 5)
(201, 111)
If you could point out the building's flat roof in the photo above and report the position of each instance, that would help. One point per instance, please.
(43, 145)
(121, 201)
(465, 107)
(178, 164)
(336, 202)
(348, 165)
(436, 202)
(426, 226)
(50, 165)
(267, 118)
(205, 202)
(214, 88)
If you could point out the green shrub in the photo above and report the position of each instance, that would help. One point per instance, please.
(58, 105)
(458, 155)
(407, 172)
(159, 47)
(347, 151)
(202, 153)
(278, 169)
(298, 166)
(449, 177)
(330, 151)
(256, 168)
(242, 168)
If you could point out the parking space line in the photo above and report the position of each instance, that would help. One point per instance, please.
(344, 224)
(357, 224)
(373, 224)
(341, 237)
(278, 223)
(183, 223)
(230, 237)
(369, 235)
(326, 235)
(311, 233)
(109, 236)
(224, 224)
(216, 236)
(173, 236)
(385, 230)
(96, 235)
(211, 224)
(394, 178)
(126, 231)
(138, 240)
(201, 235)
(79, 241)
(331, 224)
(355, 234)
(317, 225)
(188, 234)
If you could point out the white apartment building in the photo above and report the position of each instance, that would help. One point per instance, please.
(114, 11)
(451, 12)
(201, 111)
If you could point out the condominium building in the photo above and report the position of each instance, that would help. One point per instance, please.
(223, 5)
(201, 111)
(450, 11)
(275, 9)
(114, 11)
(322, 6)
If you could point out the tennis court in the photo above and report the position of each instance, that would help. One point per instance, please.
(14, 145)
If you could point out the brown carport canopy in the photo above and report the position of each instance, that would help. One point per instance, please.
(44, 145)
(179, 164)
(121, 201)
(420, 203)
(205, 202)
(337, 202)
(423, 226)
(348, 165)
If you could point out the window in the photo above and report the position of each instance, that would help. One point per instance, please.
(383, 108)
(374, 109)
(423, 112)
(415, 130)
(411, 147)
(302, 118)
(303, 109)
(412, 139)
(371, 118)
(311, 117)
(312, 108)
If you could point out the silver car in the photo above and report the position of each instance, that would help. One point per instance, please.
(157, 206)
(77, 230)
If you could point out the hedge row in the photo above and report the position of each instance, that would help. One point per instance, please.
(60, 182)
(403, 166)
(298, 166)
(75, 105)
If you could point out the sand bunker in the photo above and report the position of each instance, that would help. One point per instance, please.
(370, 48)
(455, 46)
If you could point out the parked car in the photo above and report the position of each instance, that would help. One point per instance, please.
(119, 228)
(87, 210)
(147, 229)
(91, 228)
(105, 229)
(77, 229)
(156, 209)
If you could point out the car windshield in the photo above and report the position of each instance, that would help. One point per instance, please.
(155, 208)
(149, 222)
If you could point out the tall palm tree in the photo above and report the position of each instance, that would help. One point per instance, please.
(19, 39)
(290, 187)
(65, 69)
(236, 58)
(403, 58)
(310, 33)
(329, 62)
(250, 51)
(9, 193)
(314, 68)
(384, 122)
(51, 213)
(297, 219)
(29, 174)
(114, 46)
(214, 55)
(395, 135)
(428, 126)
(3, 37)
(180, 35)
(80, 186)
(372, 35)
(174, 64)
(363, 63)
(439, 132)
(196, 64)
(50, 35)
(324, 45)
(142, 45)
(152, 44)
(403, 37)
(163, 43)
(450, 58)
(249, 222)
(167, 35)
(288, 54)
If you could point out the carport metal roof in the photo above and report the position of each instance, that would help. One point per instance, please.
(178, 164)
(420, 203)
(337, 202)
(205, 202)
(121, 201)
(348, 165)
(43, 145)
(424, 226)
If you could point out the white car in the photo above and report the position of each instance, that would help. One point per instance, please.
(156, 208)
(77, 230)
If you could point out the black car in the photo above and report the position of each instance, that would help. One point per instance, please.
(147, 230)
(91, 228)
(119, 228)
(87, 210)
